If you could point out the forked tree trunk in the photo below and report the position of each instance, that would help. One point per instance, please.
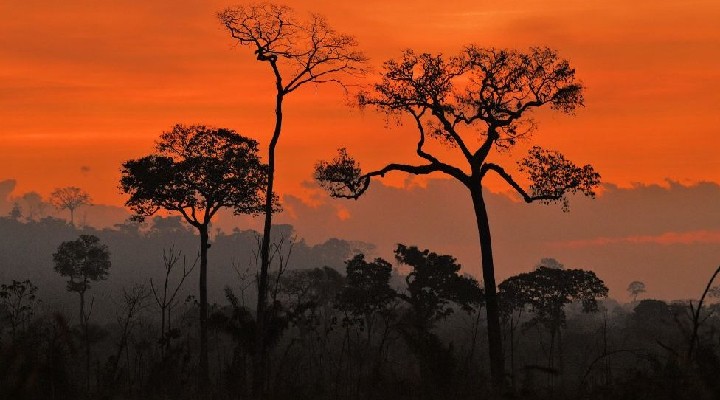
(260, 354)
(495, 349)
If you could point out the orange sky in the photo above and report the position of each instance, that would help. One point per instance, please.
(85, 85)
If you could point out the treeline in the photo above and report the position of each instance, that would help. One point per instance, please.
(136, 253)
(364, 331)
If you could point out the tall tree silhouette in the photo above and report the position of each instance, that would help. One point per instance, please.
(483, 96)
(196, 171)
(69, 198)
(298, 52)
(83, 261)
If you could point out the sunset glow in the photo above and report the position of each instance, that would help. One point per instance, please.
(85, 87)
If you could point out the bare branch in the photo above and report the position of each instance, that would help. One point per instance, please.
(301, 51)
(343, 178)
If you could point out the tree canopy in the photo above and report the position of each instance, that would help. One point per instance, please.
(196, 171)
(548, 290)
(367, 288)
(434, 285)
(481, 95)
(82, 260)
(69, 198)
(300, 50)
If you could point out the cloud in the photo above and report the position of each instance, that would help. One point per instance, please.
(667, 238)
(652, 233)
(642, 232)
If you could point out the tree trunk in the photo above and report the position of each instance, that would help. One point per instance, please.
(204, 377)
(163, 314)
(512, 350)
(82, 308)
(260, 355)
(86, 339)
(163, 339)
(551, 359)
(696, 317)
(495, 349)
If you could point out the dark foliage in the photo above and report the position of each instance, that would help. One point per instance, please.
(196, 171)
(474, 104)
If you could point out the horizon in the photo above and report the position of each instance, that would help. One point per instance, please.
(597, 234)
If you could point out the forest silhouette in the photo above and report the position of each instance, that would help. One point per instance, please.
(272, 317)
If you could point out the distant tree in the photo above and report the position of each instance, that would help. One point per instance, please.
(483, 96)
(310, 293)
(83, 261)
(366, 292)
(18, 299)
(16, 212)
(434, 285)
(171, 225)
(548, 290)
(368, 307)
(197, 171)
(308, 297)
(434, 289)
(635, 288)
(651, 310)
(297, 52)
(550, 263)
(33, 206)
(69, 198)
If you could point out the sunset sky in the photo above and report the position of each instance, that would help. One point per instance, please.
(86, 85)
